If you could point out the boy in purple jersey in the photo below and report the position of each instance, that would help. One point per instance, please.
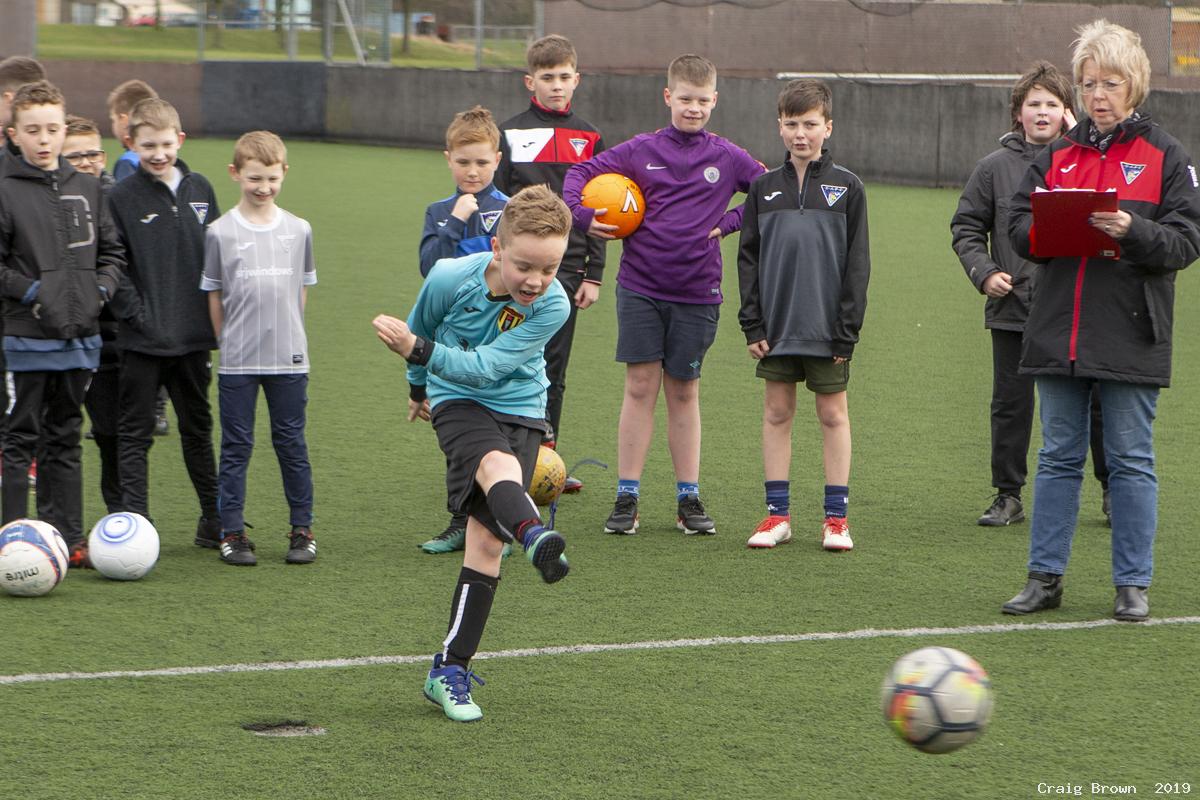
(669, 282)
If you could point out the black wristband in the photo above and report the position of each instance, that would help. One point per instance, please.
(416, 392)
(421, 351)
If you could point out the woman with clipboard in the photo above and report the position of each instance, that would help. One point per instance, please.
(1104, 321)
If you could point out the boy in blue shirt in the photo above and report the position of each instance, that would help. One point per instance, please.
(474, 343)
(803, 266)
(462, 224)
(121, 101)
(669, 283)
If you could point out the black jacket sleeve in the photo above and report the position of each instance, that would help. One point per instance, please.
(750, 312)
(973, 223)
(852, 304)
(110, 253)
(503, 179)
(1020, 221)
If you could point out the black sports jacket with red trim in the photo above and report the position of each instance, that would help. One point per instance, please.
(539, 146)
(1102, 318)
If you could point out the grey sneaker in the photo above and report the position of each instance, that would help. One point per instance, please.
(302, 547)
(693, 519)
(624, 516)
(1004, 510)
(235, 550)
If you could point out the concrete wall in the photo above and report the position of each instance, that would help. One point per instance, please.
(18, 34)
(86, 85)
(921, 134)
(835, 36)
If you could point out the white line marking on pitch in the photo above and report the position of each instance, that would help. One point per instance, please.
(585, 649)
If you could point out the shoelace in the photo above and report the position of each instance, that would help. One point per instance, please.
(691, 506)
(626, 503)
(769, 523)
(836, 525)
(449, 533)
(459, 685)
(238, 542)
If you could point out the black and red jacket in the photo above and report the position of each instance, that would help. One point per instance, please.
(539, 146)
(1102, 318)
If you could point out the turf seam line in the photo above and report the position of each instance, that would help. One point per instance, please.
(588, 649)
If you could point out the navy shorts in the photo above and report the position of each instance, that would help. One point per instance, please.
(677, 334)
(467, 432)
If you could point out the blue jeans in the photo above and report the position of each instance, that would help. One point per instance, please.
(287, 397)
(1133, 486)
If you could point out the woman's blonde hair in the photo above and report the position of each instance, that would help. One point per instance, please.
(1113, 49)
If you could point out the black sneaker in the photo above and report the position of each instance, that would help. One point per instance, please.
(208, 533)
(303, 547)
(235, 549)
(692, 517)
(624, 516)
(1004, 510)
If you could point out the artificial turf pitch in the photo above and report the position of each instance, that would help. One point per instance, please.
(1111, 705)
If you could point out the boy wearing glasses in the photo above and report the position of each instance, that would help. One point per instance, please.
(84, 150)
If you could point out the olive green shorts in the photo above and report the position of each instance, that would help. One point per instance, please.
(819, 374)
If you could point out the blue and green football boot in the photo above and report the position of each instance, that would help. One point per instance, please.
(449, 686)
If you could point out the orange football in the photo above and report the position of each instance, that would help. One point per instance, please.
(621, 197)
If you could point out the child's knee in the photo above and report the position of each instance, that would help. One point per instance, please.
(497, 465)
(832, 411)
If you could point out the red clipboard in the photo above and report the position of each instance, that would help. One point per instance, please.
(1060, 224)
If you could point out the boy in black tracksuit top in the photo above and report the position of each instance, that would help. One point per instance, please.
(161, 213)
(803, 266)
(538, 146)
(60, 262)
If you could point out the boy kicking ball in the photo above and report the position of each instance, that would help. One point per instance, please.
(474, 344)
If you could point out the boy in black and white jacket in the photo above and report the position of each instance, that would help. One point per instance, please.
(162, 212)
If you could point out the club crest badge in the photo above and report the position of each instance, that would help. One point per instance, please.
(1131, 171)
(509, 318)
(712, 174)
(832, 193)
(286, 240)
(578, 146)
(488, 218)
(201, 211)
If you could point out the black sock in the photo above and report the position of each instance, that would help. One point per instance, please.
(512, 508)
(468, 615)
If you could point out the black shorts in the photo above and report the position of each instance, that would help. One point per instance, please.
(467, 432)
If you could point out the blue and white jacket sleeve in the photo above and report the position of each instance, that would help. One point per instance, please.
(439, 241)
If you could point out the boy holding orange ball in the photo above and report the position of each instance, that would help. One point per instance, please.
(669, 282)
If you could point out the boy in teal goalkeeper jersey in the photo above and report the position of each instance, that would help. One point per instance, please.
(474, 343)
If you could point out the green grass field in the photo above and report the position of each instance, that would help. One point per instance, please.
(181, 44)
(1114, 704)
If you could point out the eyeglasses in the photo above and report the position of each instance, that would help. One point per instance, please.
(1090, 87)
(94, 156)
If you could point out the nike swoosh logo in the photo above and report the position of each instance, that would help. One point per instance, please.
(244, 245)
(771, 196)
(149, 218)
(655, 166)
(1065, 170)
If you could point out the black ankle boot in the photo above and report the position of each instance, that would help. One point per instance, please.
(1131, 604)
(1041, 592)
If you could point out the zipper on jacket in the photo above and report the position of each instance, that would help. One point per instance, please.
(804, 184)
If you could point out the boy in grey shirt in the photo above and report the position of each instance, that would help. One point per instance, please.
(258, 263)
